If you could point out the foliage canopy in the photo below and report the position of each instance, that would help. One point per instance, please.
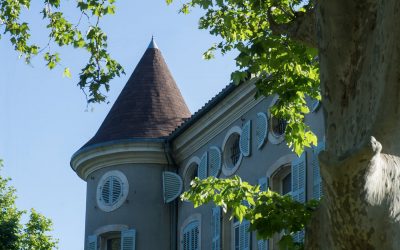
(85, 34)
(268, 212)
(269, 35)
(273, 47)
(17, 236)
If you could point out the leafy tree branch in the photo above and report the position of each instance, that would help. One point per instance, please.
(95, 76)
(17, 236)
(276, 44)
(268, 212)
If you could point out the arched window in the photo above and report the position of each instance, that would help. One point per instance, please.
(231, 153)
(112, 237)
(277, 126)
(241, 236)
(282, 180)
(190, 171)
(190, 236)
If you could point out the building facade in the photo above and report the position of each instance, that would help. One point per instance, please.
(149, 148)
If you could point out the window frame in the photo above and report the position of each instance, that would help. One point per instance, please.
(228, 168)
(282, 164)
(191, 219)
(124, 189)
(272, 137)
(188, 170)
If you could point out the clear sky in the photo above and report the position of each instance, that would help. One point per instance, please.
(43, 116)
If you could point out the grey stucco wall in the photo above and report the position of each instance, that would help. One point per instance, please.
(144, 210)
(251, 169)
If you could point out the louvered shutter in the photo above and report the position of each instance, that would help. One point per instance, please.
(317, 185)
(314, 105)
(263, 183)
(172, 186)
(191, 236)
(202, 173)
(245, 139)
(299, 187)
(128, 239)
(244, 235)
(216, 228)
(261, 129)
(106, 191)
(92, 242)
(299, 178)
(263, 245)
(195, 238)
(214, 161)
(186, 239)
(111, 190)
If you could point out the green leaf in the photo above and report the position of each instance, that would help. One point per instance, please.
(67, 73)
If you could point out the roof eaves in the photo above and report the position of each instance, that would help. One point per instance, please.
(114, 142)
(203, 110)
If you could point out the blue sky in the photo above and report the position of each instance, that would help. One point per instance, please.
(44, 119)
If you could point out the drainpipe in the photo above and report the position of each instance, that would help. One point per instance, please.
(174, 205)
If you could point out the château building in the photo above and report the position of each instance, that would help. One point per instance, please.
(149, 148)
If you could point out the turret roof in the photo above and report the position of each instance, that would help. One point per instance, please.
(149, 106)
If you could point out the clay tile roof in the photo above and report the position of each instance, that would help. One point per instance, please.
(149, 106)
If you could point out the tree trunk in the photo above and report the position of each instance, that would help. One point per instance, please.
(359, 56)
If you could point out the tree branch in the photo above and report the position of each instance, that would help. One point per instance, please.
(302, 28)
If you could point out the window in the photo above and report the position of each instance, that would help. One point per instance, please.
(277, 126)
(241, 235)
(113, 240)
(282, 180)
(112, 190)
(287, 184)
(191, 173)
(110, 241)
(114, 244)
(232, 155)
(191, 236)
(234, 150)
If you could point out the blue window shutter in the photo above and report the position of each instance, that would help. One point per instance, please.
(172, 186)
(317, 185)
(214, 161)
(314, 105)
(244, 235)
(299, 178)
(263, 183)
(186, 240)
(261, 129)
(128, 239)
(245, 139)
(263, 244)
(191, 236)
(202, 171)
(216, 228)
(92, 242)
(299, 187)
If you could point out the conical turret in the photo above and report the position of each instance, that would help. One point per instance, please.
(149, 106)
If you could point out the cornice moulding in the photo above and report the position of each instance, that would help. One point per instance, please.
(86, 162)
(215, 121)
